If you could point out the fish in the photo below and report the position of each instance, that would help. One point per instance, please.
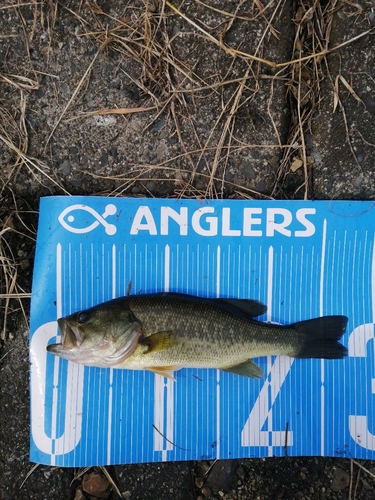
(164, 332)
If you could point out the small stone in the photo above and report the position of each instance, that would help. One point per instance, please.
(280, 493)
(65, 167)
(47, 473)
(39, 93)
(206, 491)
(73, 150)
(308, 140)
(151, 186)
(199, 185)
(159, 124)
(358, 181)
(76, 182)
(296, 164)
(151, 7)
(32, 122)
(113, 152)
(201, 165)
(65, 89)
(248, 171)
(199, 482)
(104, 120)
(115, 83)
(103, 160)
(128, 93)
(95, 484)
(310, 160)
(79, 495)
(25, 263)
(136, 190)
(274, 161)
(11, 391)
(146, 155)
(230, 36)
(330, 184)
(314, 474)
(221, 475)
(340, 480)
(360, 155)
(83, 160)
(241, 472)
(369, 101)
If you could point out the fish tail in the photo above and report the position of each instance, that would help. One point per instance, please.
(320, 337)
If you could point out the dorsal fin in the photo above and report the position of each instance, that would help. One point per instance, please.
(248, 308)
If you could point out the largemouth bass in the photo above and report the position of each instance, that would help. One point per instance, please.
(164, 332)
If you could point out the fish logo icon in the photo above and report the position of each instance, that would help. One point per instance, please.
(71, 222)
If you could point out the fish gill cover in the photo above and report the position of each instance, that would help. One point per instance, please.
(302, 259)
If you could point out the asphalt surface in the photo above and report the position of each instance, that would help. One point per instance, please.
(206, 124)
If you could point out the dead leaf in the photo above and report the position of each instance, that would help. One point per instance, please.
(336, 98)
(351, 90)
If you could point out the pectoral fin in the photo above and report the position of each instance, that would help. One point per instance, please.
(158, 341)
(165, 371)
(246, 369)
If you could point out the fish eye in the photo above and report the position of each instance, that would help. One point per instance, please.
(83, 317)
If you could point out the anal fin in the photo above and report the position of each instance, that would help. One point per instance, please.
(246, 369)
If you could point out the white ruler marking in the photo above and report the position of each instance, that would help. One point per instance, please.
(110, 395)
(218, 434)
(56, 361)
(269, 317)
(321, 313)
(164, 391)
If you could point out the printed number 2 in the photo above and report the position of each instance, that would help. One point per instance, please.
(252, 433)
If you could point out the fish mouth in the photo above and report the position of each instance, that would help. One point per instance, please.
(71, 337)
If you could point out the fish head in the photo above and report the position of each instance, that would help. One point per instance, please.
(100, 336)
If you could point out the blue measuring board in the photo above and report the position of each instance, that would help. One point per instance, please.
(302, 259)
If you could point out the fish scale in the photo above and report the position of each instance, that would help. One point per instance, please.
(204, 336)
